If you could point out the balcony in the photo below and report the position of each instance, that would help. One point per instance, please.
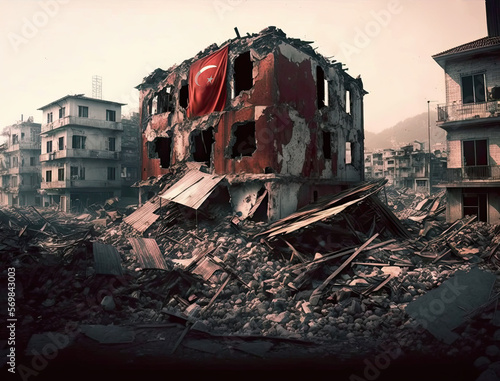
(483, 172)
(452, 112)
(81, 184)
(82, 154)
(85, 122)
(23, 146)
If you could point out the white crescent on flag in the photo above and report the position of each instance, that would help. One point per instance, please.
(201, 71)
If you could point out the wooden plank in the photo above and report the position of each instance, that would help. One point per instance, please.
(314, 299)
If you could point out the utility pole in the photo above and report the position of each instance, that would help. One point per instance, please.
(429, 140)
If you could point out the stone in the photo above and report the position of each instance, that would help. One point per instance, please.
(492, 351)
(108, 303)
(281, 318)
(496, 367)
(496, 335)
(488, 375)
(48, 303)
(482, 362)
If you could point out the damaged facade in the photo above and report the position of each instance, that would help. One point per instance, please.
(81, 152)
(289, 130)
(20, 165)
(471, 119)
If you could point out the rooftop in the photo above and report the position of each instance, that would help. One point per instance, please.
(482, 43)
(80, 96)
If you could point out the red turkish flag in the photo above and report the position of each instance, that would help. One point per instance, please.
(207, 84)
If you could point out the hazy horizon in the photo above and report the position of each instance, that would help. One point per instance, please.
(52, 48)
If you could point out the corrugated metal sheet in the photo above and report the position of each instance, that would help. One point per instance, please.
(327, 208)
(193, 189)
(206, 268)
(144, 217)
(148, 253)
(106, 259)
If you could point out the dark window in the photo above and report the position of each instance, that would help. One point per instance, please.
(74, 173)
(475, 204)
(62, 112)
(15, 139)
(327, 145)
(202, 144)
(244, 140)
(475, 152)
(60, 174)
(78, 141)
(163, 150)
(111, 115)
(111, 144)
(111, 173)
(243, 77)
(82, 173)
(61, 143)
(49, 117)
(348, 101)
(49, 146)
(32, 161)
(473, 89)
(184, 96)
(83, 111)
(164, 102)
(320, 86)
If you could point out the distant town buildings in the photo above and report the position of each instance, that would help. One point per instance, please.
(20, 164)
(81, 147)
(406, 167)
(471, 119)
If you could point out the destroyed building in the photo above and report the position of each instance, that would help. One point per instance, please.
(282, 126)
(81, 152)
(471, 117)
(20, 165)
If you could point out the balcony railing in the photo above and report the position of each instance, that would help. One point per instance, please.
(483, 172)
(81, 153)
(23, 145)
(81, 184)
(86, 122)
(451, 112)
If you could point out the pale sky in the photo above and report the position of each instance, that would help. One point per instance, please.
(52, 48)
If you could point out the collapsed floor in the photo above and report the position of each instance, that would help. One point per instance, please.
(328, 287)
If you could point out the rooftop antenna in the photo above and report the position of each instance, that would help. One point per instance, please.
(97, 87)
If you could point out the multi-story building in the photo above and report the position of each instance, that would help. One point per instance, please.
(406, 167)
(81, 152)
(131, 155)
(471, 119)
(20, 165)
(283, 121)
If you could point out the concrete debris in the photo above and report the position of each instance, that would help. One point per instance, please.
(329, 282)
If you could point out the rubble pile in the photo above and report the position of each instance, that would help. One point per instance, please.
(347, 277)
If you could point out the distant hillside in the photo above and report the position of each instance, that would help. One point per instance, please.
(406, 131)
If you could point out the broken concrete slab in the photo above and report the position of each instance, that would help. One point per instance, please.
(443, 309)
